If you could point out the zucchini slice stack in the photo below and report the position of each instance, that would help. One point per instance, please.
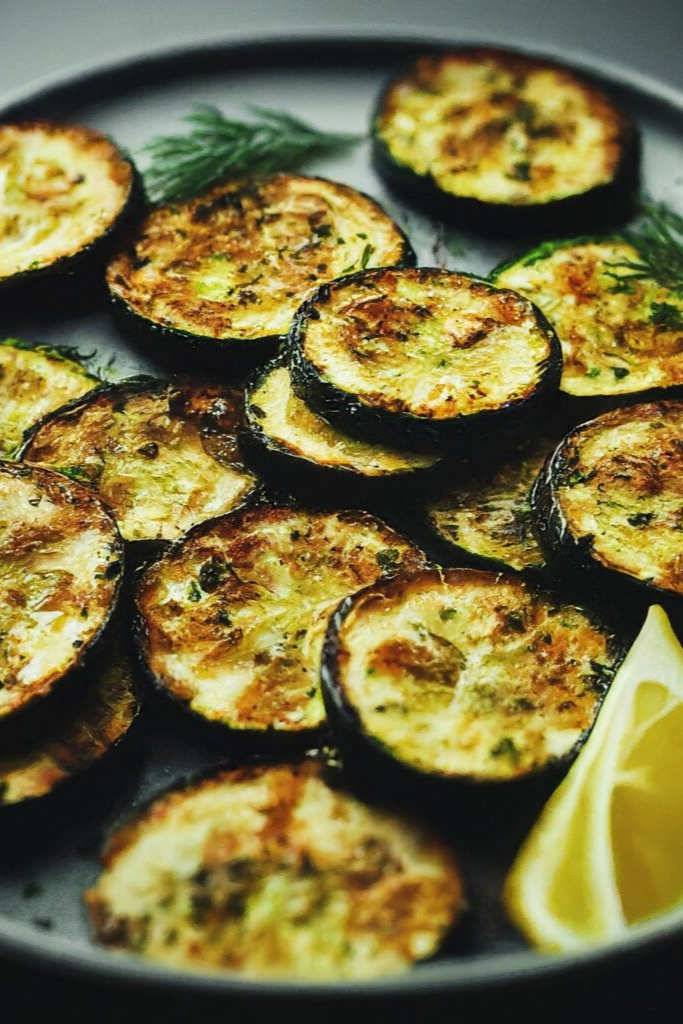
(505, 142)
(66, 190)
(224, 273)
(271, 871)
(424, 357)
(35, 380)
(609, 501)
(60, 574)
(231, 620)
(163, 456)
(621, 335)
(464, 675)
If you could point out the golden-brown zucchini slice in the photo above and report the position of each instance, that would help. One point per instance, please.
(621, 336)
(64, 190)
(36, 764)
(461, 674)
(609, 500)
(232, 618)
(35, 380)
(227, 271)
(486, 518)
(163, 456)
(293, 442)
(60, 570)
(272, 872)
(424, 356)
(505, 142)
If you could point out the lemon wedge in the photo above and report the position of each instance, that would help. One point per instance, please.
(607, 850)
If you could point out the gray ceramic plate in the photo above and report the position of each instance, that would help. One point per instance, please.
(333, 83)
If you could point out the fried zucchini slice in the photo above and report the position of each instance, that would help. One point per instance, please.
(271, 872)
(35, 380)
(163, 456)
(293, 441)
(60, 570)
(620, 335)
(462, 674)
(232, 619)
(64, 190)
(505, 142)
(230, 268)
(38, 764)
(423, 356)
(610, 498)
(487, 518)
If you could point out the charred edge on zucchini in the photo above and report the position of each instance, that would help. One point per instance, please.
(61, 563)
(423, 357)
(229, 269)
(164, 456)
(231, 621)
(270, 872)
(465, 675)
(506, 143)
(487, 519)
(295, 444)
(621, 337)
(34, 381)
(67, 191)
(37, 764)
(609, 500)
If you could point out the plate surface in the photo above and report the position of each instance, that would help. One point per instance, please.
(334, 84)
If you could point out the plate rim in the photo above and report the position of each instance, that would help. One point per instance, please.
(28, 946)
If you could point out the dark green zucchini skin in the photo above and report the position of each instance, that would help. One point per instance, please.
(571, 558)
(298, 474)
(492, 430)
(602, 207)
(90, 258)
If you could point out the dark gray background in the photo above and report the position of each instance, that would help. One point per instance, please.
(43, 38)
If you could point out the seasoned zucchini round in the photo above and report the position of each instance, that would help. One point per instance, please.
(65, 188)
(486, 519)
(610, 498)
(462, 674)
(39, 763)
(293, 442)
(163, 456)
(621, 336)
(232, 619)
(35, 380)
(272, 872)
(423, 356)
(60, 570)
(505, 142)
(229, 269)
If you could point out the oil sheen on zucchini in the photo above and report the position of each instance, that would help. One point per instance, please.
(503, 139)
(63, 189)
(271, 872)
(60, 569)
(77, 736)
(611, 496)
(423, 354)
(163, 456)
(465, 674)
(286, 427)
(619, 335)
(487, 518)
(234, 265)
(232, 619)
(35, 380)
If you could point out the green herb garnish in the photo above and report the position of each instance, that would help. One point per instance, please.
(663, 314)
(217, 147)
(658, 240)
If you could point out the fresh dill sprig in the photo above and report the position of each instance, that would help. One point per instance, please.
(217, 147)
(658, 240)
